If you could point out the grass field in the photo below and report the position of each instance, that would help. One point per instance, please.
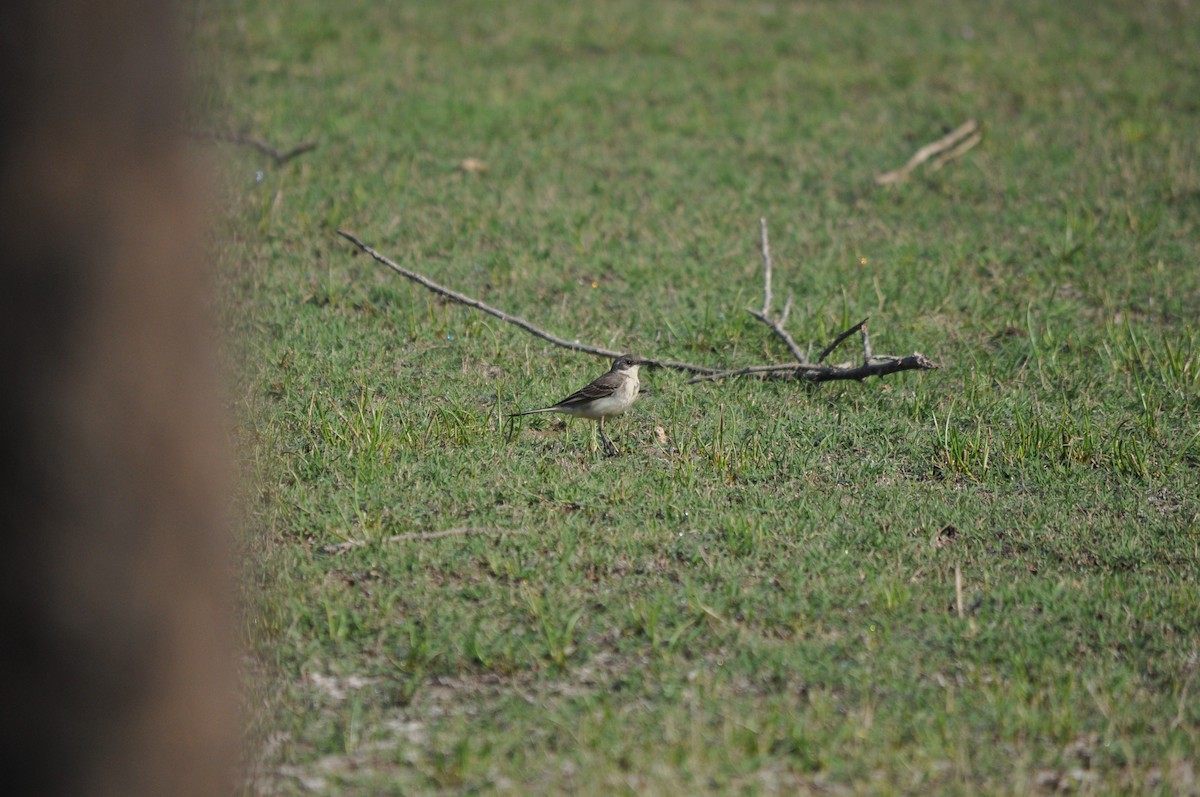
(759, 595)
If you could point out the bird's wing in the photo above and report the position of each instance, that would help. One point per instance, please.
(602, 388)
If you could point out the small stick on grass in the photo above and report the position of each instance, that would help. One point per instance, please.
(279, 156)
(931, 149)
(958, 591)
(957, 152)
(838, 340)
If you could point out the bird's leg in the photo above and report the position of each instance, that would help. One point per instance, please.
(609, 448)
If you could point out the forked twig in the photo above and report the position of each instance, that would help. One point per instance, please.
(957, 152)
(764, 315)
(279, 156)
(873, 365)
(933, 148)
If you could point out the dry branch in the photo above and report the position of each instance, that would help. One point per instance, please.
(957, 152)
(279, 156)
(573, 345)
(880, 365)
(825, 352)
(872, 365)
(946, 142)
(765, 314)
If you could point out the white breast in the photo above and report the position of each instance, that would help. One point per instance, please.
(619, 401)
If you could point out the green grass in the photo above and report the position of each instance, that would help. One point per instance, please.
(759, 595)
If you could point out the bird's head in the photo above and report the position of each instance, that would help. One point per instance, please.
(627, 364)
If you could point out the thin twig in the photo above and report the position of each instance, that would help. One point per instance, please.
(929, 150)
(764, 315)
(957, 152)
(782, 333)
(462, 531)
(279, 156)
(866, 343)
(512, 319)
(838, 340)
(777, 371)
(958, 591)
(880, 365)
(766, 256)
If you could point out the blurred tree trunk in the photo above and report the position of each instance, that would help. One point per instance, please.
(115, 668)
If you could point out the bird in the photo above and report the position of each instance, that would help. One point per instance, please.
(609, 394)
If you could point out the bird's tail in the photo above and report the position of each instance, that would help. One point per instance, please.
(532, 412)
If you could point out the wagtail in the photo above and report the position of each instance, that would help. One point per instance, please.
(609, 395)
